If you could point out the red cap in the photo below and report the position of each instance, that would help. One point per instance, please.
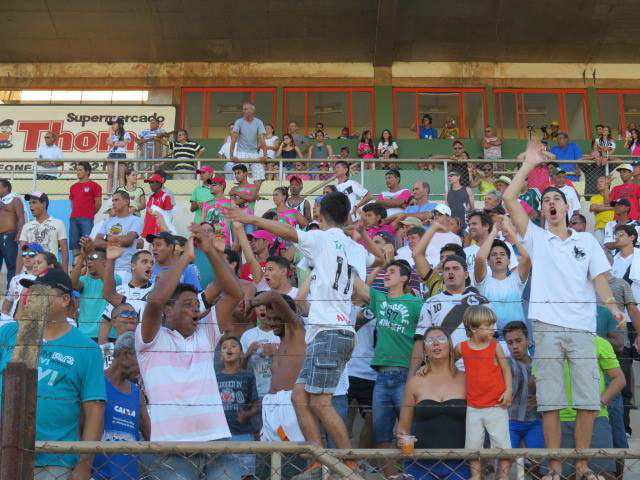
(154, 178)
(205, 169)
(295, 178)
(217, 181)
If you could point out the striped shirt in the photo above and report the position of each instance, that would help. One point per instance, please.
(185, 150)
(521, 410)
(181, 384)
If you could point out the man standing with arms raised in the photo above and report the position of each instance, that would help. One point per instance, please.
(330, 335)
(568, 269)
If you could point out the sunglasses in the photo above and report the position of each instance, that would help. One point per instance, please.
(439, 340)
(128, 314)
(29, 254)
(575, 222)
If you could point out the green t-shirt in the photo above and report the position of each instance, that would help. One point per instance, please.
(606, 361)
(605, 321)
(70, 372)
(396, 321)
(92, 305)
(200, 194)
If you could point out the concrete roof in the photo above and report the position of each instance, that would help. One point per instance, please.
(377, 31)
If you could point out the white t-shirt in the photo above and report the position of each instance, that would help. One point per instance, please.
(260, 364)
(47, 234)
(224, 149)
(126, 138)
(404, 253)
(48, 152)
(360, 363)
(180, 382)
(562, 291)
(384, 147)
(610, 227)
(572, 198)
(395, 210)
(332, 278)
(438, 241)
(270, 143)
(14, 291)
(446, 310)
(472, 250)
(353, 190)
(134, 296)
(620, 265)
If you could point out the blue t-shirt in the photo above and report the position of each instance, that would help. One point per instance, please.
(571, 152)
(121, 227)
(428, 133)
(189, 275)
(205, 271)
(70, 372)
(427, 207)
(92, 304)
(121, 424)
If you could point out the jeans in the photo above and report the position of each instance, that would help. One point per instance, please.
(387, 401)
(616, 420)
(247, 462)
(341, 404)
(8, 253)
(197, 467)
(78, 228)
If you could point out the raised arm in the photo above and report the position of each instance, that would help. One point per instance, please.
(532, 158)
(524, 261)
(423, 267)
(472, 205)
(109, 281)
(161, 293)
(250, 258)
(282, 230)
(480, 268)
(279, 305)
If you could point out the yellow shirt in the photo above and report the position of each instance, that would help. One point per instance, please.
(602, 218)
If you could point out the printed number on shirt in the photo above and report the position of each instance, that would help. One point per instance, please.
(340, 261)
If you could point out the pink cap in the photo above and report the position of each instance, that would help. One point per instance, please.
(263, 234)
(205, 169)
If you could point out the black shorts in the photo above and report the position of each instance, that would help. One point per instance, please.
(361, 390)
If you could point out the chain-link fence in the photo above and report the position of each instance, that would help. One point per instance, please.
(291, 461)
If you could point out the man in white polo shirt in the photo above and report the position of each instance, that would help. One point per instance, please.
(569, 268)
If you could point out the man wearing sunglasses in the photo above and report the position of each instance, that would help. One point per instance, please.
(90, 286)
(10, 304)
(124, 318)
(49, 154)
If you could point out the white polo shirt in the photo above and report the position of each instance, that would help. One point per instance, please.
(562, 291)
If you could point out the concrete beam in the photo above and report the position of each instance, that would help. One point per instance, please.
(385, 39)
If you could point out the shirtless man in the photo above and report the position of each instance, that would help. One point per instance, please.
(279, 420)
(11, 222)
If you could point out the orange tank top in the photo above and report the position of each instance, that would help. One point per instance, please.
(485, 383)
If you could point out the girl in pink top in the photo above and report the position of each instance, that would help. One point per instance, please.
(366, 149)
(285, 214)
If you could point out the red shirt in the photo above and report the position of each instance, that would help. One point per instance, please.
(245, 271)
(631, 192)
(162, 200)
(485, 383)
(83, 197)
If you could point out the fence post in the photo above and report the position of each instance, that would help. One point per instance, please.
(114, 185)
(280, 171)
(276, 460)
(446, 176)
(362, 172)
(19, 390)
(34, 181)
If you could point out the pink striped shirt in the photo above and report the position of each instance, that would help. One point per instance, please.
(180, 382)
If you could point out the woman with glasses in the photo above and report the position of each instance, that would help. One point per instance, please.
(484, 180)
(434, 410)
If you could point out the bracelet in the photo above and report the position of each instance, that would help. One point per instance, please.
(610, 300)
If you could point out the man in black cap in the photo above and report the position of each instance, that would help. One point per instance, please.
(70, 382)
(163, 246)
(622, 208)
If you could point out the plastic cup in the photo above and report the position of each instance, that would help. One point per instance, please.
(406, 443)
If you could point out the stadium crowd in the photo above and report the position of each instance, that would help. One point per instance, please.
(436, 322)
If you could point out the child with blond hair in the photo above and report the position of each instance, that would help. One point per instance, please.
(488, 380)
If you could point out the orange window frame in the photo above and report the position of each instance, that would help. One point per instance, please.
(521, 107)
(347, 90)
(459, 91)
(622, 121)
(207, 91)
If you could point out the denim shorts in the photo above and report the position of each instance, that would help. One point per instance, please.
(325, 359)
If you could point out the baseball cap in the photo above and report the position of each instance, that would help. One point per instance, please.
(625, 166)
(295, 178)
(34, 247)
(154, 178)
(205, 169)
(622, 201)
(504, 179)
(166, 236)
(412, 221)
(443, 209)
(263, 234)
(53, 278)
(38, 196)
(217, 181)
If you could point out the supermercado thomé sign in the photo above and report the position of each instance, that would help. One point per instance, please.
(82, 130)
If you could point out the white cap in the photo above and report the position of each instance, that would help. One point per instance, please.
(443, 209)
(625, 166)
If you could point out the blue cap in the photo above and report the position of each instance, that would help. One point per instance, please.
(34, 247)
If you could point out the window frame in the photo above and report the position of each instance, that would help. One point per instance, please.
(562, 108)
(622, 126)
(207, 91)
(459, 91)
(348, 90)
(85, 88)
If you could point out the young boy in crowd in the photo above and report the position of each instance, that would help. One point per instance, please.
(239, 399)
(525, 425)
(374, 214)
(488, 379)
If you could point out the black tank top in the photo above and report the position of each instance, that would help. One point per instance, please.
(289, 153)
(440, 424)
